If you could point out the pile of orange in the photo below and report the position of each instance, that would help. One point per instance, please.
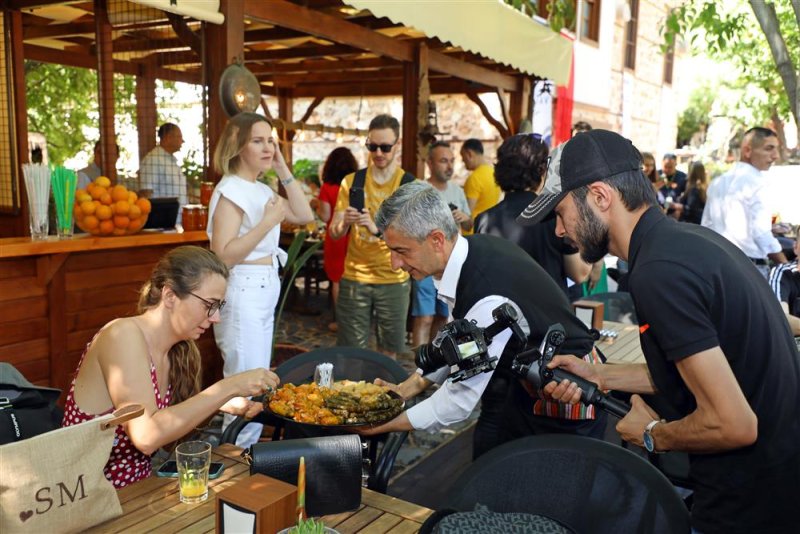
(103, 209)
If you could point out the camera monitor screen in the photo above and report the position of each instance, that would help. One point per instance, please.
(468, 350)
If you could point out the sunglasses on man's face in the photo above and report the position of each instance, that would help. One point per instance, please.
(385, 148)
(211, 305)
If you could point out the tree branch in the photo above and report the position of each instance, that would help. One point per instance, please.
(494, 122)
(796, 7)
(768, 20)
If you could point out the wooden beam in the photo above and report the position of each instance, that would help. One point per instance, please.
(59, 30)
(228, 44)
(86, 61)
(300, 52)
(291, 80)
(311, 107)
(146, 119)
(295, 17)
(105, 86)
(520, 107)
(358, 88)
(20, 110)
(415, 74)
(504, 133)
(323, 65)
(468, 71)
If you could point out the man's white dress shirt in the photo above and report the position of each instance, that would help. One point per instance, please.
(736, 208)
(454, 402)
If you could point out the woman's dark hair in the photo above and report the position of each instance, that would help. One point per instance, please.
(521, 163)
(339, 164)
(697, 179)
(653, 176)
(182, 269)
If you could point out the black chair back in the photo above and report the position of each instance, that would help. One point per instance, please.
(586, 484)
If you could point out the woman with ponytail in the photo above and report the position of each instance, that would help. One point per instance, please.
(151, 359)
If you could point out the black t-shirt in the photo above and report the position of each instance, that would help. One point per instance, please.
(694, 291)
(539, 241)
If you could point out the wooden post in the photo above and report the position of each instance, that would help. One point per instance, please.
(105, 87)
(223, 43)
(414, 72)
(520, 108)
(146, 110)
(285, 113)
(19, 223)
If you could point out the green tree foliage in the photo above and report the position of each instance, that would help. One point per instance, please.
(760, 39)
(696, 115)
(561, 13)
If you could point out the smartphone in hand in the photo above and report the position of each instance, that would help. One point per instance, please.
(453, 207)
(357, 198)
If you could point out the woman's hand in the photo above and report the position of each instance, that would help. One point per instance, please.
(278, 161)
(274, 211)
(242, 406)
(252, 382)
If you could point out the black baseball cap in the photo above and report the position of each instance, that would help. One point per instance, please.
(584, 159)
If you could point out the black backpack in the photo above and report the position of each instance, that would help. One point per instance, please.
(25, 410)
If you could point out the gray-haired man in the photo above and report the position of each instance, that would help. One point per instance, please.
(474, 275)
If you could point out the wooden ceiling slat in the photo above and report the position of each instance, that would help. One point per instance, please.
(379, 88)
(288, 15)
(322, 65)
(58, 30)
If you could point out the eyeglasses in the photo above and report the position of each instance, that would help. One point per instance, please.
(385, 147)
(211, 305)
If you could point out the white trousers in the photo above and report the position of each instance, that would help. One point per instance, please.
(244, 333)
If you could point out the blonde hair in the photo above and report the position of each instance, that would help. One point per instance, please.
(182, 269)
(234, 137)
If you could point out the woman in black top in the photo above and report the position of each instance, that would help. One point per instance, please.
(694, 199)
(521, 164)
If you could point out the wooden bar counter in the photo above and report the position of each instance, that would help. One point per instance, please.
(55, 295)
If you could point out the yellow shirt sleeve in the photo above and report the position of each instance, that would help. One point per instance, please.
(472, 187)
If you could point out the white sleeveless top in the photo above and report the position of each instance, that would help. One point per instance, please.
(250, 197)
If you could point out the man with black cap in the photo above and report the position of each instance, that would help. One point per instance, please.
(717, 345)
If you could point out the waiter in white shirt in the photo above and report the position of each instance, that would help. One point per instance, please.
(736, 207)
(473, 276)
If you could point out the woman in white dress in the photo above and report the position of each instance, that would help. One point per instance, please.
(244, 227)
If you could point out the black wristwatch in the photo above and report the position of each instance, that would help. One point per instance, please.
(647, 437)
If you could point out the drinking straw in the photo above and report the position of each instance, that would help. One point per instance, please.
(37, 183)
(301, 490)
(64, 182)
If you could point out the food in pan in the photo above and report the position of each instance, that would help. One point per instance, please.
(346, 403)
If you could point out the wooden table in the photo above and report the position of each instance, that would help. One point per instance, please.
(153, 505)
(625, 348)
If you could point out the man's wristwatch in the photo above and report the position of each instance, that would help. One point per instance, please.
(647, 437)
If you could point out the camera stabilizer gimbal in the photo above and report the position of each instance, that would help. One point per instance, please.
(463, 344)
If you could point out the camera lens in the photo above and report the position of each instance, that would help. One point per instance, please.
(429, 358)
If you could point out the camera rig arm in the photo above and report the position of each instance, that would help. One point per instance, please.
(532, 366)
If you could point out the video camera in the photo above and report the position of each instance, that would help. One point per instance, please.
(462, 343)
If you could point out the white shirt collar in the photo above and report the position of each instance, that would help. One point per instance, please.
(446, 287)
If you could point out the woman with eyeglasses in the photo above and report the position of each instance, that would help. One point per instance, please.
(151, 359)
(244, 223)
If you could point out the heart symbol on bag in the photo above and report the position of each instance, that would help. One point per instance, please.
(25, 515)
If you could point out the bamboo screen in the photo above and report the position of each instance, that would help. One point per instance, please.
(9, 197)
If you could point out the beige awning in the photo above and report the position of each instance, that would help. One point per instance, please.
(207, 10)
(486, 27)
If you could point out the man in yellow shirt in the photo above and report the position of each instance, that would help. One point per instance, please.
(369, 283)
(481, 189)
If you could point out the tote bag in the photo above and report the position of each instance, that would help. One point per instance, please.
(54, 482)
